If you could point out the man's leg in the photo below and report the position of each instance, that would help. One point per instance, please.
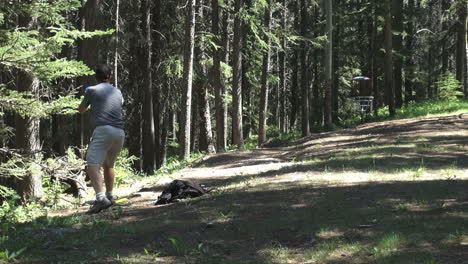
(109, 178)
(96, 179)
(101, 202)
(94, 158)
(109, 172)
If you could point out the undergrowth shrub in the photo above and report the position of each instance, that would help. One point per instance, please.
(348, 110)
(124, 173)
(174, 164)
(448, 87)
(12, 211)
(69, 165)
(54, 172)
(10, 201)
(273, 132)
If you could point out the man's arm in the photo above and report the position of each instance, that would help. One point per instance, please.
(85, 103)
(82, 108)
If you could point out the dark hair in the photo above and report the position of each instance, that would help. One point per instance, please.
(103, 72)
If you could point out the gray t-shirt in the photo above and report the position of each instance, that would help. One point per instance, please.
(106, 105)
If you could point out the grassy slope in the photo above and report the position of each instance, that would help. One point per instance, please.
(381, 193)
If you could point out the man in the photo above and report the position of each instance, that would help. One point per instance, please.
(108, 135)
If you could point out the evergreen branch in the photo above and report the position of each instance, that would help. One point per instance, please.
(11, 47)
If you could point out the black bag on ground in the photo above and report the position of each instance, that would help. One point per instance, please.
(178, 189)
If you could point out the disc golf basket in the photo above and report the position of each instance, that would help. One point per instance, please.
(361, 95)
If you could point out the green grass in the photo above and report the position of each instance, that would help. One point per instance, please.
(174, 164)
(258, 221)
(408, 207)
(20, 221)
(432, 108)
(429, 108)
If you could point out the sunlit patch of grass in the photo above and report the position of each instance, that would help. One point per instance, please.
(418, 139)
(329, 233)
(401, 207)
(332, 250)
(453, 239)
(464, 239)
(388, 244)
(451, 172)
(227, 212)
(429, 147)
(135, 259)
(415, 173)
(429, 108)
(276, 253)
(461, 215)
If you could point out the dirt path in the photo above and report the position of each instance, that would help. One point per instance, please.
(447, 132)
(287, 205)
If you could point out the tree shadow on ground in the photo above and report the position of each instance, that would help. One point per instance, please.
(229, 160)
(256, 219)
(435, 142)
(426, 220)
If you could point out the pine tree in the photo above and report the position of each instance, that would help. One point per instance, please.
(187, 80)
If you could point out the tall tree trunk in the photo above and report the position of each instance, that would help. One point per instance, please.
(430, 70)
(194, 123)
(158, 112)
(389, 86)
(328, 105)
(431, 64)
(247, 96)
(88, 53)
(164, 136)
(149, 161)
(27, 129)
(217, 81)
(27, 139)
(116, 48)
(187, 80)
(282, 72)
(374, 67)
(247, 115)
(461, 67)
(316, 95)
(134, 113)
(304, 87)
(238, 139)
(206, 133)
(149, 151)
(336, 62)
(226, 49)
(294, 99)
(175, 119)
(313, 105)
(409, 65)
(275, 62)
(263, 111)
(398, 47)
(445, 5)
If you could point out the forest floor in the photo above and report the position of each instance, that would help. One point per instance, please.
(387, 192)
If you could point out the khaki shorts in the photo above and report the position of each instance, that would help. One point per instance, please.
(106, 144)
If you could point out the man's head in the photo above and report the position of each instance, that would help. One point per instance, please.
(103, 73)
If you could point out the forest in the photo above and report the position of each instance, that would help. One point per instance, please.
(276, 104)
(211, 76)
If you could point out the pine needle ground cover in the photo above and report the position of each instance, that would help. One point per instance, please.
(388, 192)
